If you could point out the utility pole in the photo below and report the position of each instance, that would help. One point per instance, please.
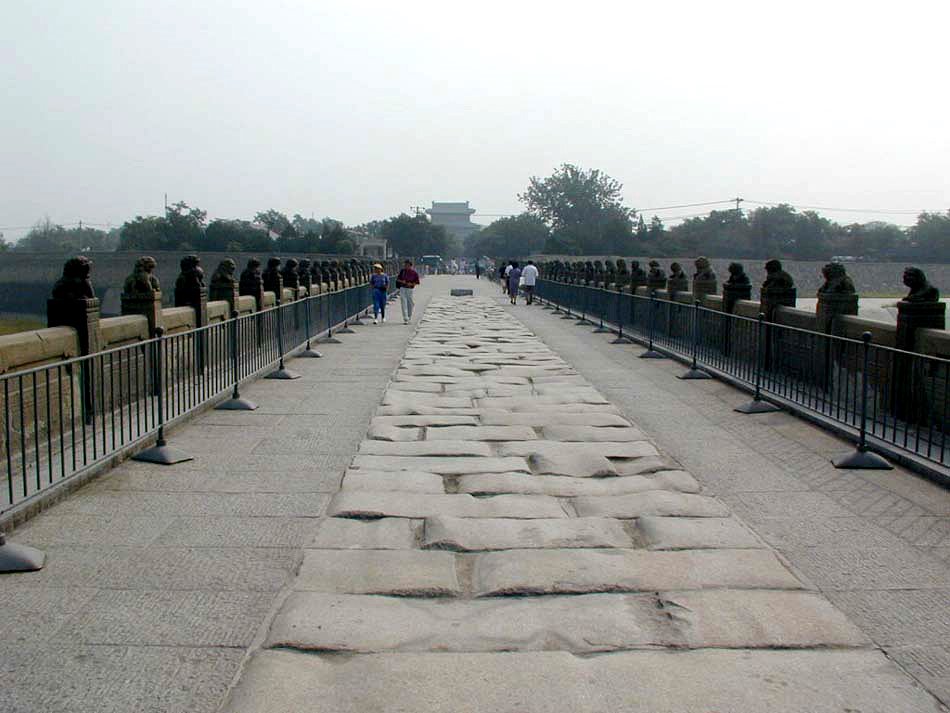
(166, 205)
(417, 209)
(738, 209)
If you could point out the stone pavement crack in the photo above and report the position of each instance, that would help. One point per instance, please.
(502, 522)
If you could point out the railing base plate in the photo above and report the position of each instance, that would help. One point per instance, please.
(329, 340)
(602, 330)
(310, 354)
(163, 455)
(345, 330)
(694, 374)
(568, 316)
(757, 407)
(283, 373)
(862, 460)
(20, 558)
(236, 404)
(622, 340)
(652, 354)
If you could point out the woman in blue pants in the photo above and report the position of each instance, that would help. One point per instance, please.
(380, 283)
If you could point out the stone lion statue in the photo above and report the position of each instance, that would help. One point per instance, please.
(920, 289)
(776, 278)
(737, 276)
(704, 269)
(836, 280)
(224, 274)
(142, 281)
(75, 283)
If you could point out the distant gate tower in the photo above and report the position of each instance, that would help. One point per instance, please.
(455, 217)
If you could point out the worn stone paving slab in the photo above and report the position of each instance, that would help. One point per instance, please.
(582, 571)
(561, 486)
(552, 450)
(653, 502)
(541, 419)
(684, 533)
(444, 466)
(583, 624)
(705, 681)
(420, 505)
(482, 433)
(393, 480)
(390, 533)
(430, 447)
(591, 434)
(472, 535)
(404, 572)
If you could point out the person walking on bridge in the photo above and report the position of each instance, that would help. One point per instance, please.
(530, 277)
(514, 278)
(380, 283)
(406, 281)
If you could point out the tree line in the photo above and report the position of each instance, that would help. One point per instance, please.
(581, 212)
(186, 228)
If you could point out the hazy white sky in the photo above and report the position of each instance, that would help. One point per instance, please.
(359, 110)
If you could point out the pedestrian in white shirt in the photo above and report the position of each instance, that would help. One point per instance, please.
(530, 277)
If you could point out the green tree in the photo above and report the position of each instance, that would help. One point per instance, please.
(144, 233)
(584, 209)
(415, 235)
(236, 236)
(515, 236)
(930, 236)
(273, 220)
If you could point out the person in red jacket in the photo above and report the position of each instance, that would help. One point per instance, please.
(406, 281)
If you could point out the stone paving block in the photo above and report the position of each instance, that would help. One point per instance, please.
(560, 486)
(443, 466)
(519, 403)
(929, 664)
(689, 533)
(396, 398)
(237, 532)
(429, 447)
(482, 433)
(591, 434)
(177, 618)
(417, 573)
(361, 624)
(388, 533)
(497, 417)
(654, 502)
(65, 678)
(758, 619)
(583, 571)
(406, 409)
(855, 567)
(37, 613)
(419, 505)
(392, 433)
(433, 370)
(532, 406)
(431, 420)
(552, 458)
(472, 535)
(900, 617)
(416, 387)
(704, 681)
(400, 480)
(559, 449)
(647, 464)
(56, 527)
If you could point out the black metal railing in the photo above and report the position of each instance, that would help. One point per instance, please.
(900, 401)
(61, 419)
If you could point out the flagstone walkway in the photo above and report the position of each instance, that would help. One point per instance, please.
(505, 540)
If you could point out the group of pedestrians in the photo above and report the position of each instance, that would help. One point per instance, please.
(515, 279)
(406, 281)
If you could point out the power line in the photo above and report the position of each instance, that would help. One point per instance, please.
(685, 205)
(876, 211)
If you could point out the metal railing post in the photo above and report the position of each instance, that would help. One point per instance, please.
(236, 402)
(863, 458)
(308, 351)
(621, 337)
(582, 320)
(329, 338)
(694, 372)
(161, 452)
(757, 405)
(652, 353)
(602, 300)
(345, 329)
(281, 372)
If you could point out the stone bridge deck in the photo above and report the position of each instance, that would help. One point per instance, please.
(527, 525)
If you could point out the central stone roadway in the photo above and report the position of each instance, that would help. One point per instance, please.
(504, 540)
